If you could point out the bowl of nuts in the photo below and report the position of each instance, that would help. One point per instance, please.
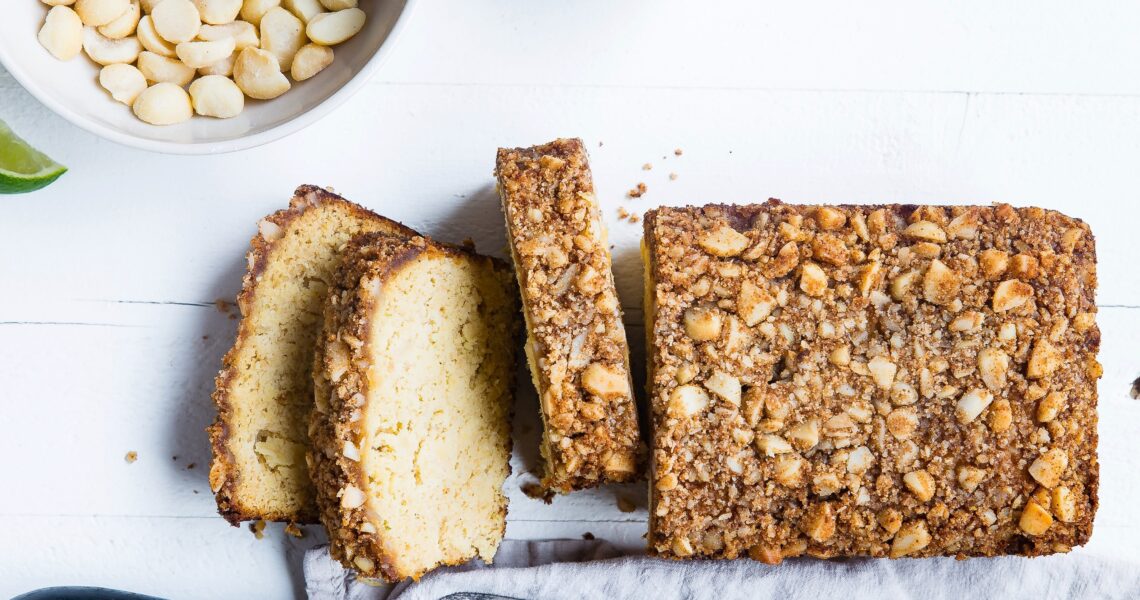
(196, 76)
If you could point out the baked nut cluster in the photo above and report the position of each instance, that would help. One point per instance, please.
(576, 344)
(871, 380)
(170, 59)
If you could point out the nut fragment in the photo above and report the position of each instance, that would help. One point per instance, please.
(771, 445)
(163, 104)
(786, 260)
(703, 324)
(330, 29)
(203, 54)
(176, 21)
(282, 34)
(882, 371)
(967, 322)
(687, 400)
(903, 393)
(910, 538)
(151, 41)
(253, 10)
(1044, 359)
(754, 303)
(902, 422)
(859, 460)
(1050, 406)
(925, 230)
(902, 284)
(829, 249)
(805, 435)
(310, 60)
(606, 381)
(993, 365)
(829, 218)
(813, 281)
(1011, 294)
(216, 96)
(160, 69)
(257, 73)
(971, 404)
(1023, 266)
(124, 82)
(789, 469)
(819, 523)
(1064, 504)
(970, 477)
(940, 285)
(351, 497)
(964, 226)
(682, 546)
(106, 51)
(726, 386)
(1034, 519)
(869, 277)
(890, 520)
(244, 34)
(123, 25)
(218, 12)
(100, 12)
(993, 263)
(1000, 416)
(1049, 467)
(303, 9)
(62, 33)
(920, 483)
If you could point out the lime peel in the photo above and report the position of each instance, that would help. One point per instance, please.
(23, 168)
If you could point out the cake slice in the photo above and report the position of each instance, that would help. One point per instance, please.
(265, 388)
(879, 381)
(576, 345)
(411, 431)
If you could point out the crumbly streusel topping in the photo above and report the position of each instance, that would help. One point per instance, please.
(871, 380)
(576, 342)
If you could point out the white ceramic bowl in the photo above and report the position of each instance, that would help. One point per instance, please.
(71, 88)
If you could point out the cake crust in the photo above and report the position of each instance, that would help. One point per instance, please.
(341, 386)
(871, 381)
(225, 471)
(576, 344)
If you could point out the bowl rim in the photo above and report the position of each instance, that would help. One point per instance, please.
(297, 123)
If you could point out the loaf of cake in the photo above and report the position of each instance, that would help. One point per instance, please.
(576, 345)
(265, 388)
(411, 428)
(878, 381)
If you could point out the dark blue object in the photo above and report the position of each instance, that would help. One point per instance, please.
(81, 593)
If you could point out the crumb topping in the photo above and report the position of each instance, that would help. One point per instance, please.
(576, 342)
(871, 380)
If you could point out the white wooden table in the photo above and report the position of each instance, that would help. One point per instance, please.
(109, 336)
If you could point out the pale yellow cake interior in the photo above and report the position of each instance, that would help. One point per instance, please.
(437, 412)
(272, 391)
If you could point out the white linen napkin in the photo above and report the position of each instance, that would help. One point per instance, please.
(565, 569)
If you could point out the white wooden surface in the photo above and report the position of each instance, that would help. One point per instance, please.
(109, 337)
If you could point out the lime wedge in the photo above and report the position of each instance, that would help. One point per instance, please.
(22, 167)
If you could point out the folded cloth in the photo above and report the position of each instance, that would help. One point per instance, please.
(565, 569)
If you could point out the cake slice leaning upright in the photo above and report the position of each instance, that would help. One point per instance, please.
(265, 388)
(576, 344)
(414, 375)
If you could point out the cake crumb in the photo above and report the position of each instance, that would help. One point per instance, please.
(191, 466)
(633, 218)
(678, 152)
(295, 531)
(638, 191)
(1136, 389)
(222, 305)
(647, 167)
(536, 491)
(672, 177)
(131, 457)
(625, 505)
(258, 528)
(587, 536)
(622, 213)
